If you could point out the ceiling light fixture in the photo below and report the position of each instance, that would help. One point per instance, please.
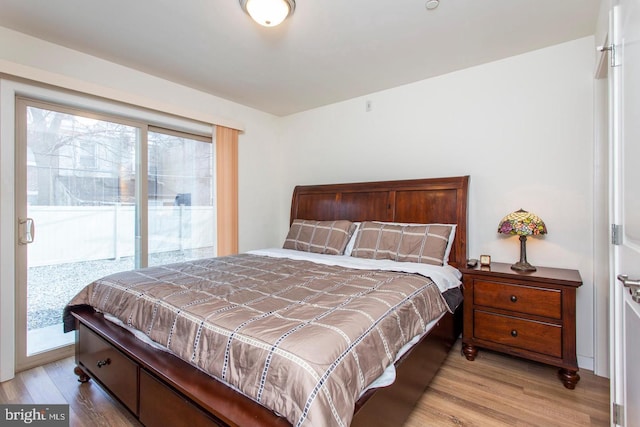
(268, 13)
(432, 4)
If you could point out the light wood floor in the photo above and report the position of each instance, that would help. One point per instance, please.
(493, 390)
(499, 390)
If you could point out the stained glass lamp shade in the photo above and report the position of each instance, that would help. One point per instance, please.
(523, 224)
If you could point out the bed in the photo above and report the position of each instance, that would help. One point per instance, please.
(160, 388)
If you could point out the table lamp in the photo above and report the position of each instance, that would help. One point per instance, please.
(523, 224)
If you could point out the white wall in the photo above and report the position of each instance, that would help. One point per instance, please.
(522, 128)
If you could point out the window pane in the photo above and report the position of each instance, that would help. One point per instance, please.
(81, 195)
(181, 198)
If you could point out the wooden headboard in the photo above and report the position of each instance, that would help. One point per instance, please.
(426, 201)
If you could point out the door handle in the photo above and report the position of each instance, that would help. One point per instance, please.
(632, 284)
(29, 230)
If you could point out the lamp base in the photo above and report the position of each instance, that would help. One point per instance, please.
(523, 266)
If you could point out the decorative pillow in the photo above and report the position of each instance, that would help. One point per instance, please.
(447, 251)
(322, 237)
(425, 243)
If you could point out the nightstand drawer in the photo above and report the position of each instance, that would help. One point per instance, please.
(522, 299)
(525, 334)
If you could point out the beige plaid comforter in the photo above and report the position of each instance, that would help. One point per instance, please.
(302, 339)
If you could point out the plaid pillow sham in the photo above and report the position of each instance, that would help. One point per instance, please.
(424, 243)
(322, 237)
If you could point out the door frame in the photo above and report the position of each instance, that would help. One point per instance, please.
(616, 392)
(8, 91)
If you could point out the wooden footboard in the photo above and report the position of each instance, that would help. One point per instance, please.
(157, 387)
(160, 389)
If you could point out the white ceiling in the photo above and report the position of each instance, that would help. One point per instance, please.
(327, 51)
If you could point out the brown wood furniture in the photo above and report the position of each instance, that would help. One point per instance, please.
(526, 314)
(160, 390)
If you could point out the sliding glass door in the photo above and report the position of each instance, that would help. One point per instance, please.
(86, 209)
(181, 202)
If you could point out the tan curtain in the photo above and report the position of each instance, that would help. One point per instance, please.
(227, 189)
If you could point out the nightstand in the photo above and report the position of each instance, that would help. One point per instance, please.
(525, 314)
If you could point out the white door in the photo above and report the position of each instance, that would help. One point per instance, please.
(625, 300)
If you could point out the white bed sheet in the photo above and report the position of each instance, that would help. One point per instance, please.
(445, 277)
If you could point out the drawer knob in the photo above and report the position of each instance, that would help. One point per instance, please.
(514, 298)
(104, 362)
(514, 333)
